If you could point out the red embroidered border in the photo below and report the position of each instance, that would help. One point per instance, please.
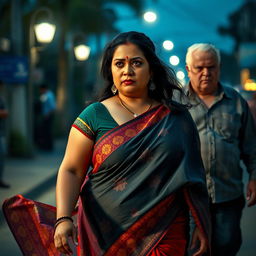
(122, 134)
(33, 234)
(79, 129)
(126, 243)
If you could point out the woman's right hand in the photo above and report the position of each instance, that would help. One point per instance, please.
(200, 240)
(63, 232)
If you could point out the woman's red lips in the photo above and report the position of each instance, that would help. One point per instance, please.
(128, 82)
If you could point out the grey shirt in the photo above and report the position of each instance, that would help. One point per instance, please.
(227, 135)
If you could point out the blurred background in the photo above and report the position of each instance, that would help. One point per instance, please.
(84, 27)
(58, 43)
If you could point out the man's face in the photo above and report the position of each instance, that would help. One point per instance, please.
(203, 72)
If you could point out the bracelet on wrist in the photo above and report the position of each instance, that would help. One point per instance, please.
(62, 219)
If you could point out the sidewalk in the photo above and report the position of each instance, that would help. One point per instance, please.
(35, 179)
(24, 174)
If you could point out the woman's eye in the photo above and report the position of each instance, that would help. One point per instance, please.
(137, 63)
(119, 64)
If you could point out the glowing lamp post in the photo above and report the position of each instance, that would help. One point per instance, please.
(82, 52)
(43, 33)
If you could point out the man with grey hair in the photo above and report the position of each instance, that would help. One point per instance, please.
(227, 134)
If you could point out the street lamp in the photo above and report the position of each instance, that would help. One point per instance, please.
(82, 52)
(78, 53)
(43, 33)
(79, 48)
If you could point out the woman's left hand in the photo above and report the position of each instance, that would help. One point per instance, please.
(200, 240)
(63, 232)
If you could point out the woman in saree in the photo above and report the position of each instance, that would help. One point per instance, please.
(133, 162)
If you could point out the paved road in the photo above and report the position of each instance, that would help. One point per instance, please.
(35, 179)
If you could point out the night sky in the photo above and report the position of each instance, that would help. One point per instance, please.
(184, 22)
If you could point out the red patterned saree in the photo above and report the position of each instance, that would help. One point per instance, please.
(146, 175)
(32, 224)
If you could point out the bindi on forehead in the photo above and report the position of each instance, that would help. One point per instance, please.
(126, 57)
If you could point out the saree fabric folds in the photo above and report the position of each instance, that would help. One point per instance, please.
(32, 224)
(146, 174)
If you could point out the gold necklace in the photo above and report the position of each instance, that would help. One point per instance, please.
(134, 114)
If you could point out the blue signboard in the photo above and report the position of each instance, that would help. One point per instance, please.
(13, 69)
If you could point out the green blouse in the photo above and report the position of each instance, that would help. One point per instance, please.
(94, 121)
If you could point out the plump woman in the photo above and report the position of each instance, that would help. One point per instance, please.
(133, 163)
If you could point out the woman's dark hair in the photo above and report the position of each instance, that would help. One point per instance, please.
(163, 76)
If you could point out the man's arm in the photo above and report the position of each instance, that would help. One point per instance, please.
(248, 153)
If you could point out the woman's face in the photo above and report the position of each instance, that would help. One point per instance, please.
(130, 70)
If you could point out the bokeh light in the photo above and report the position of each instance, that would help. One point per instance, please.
(150, 17)
(180, 75)
(174, 60)
(168, 45)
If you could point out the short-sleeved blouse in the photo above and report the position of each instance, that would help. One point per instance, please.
(94, 121)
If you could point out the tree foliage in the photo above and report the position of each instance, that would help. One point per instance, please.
(90, 16)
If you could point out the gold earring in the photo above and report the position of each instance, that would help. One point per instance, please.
(114, 89)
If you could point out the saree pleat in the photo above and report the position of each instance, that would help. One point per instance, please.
(174, 242)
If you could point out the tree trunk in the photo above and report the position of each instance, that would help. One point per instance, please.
(20, 131)
(62, 88)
